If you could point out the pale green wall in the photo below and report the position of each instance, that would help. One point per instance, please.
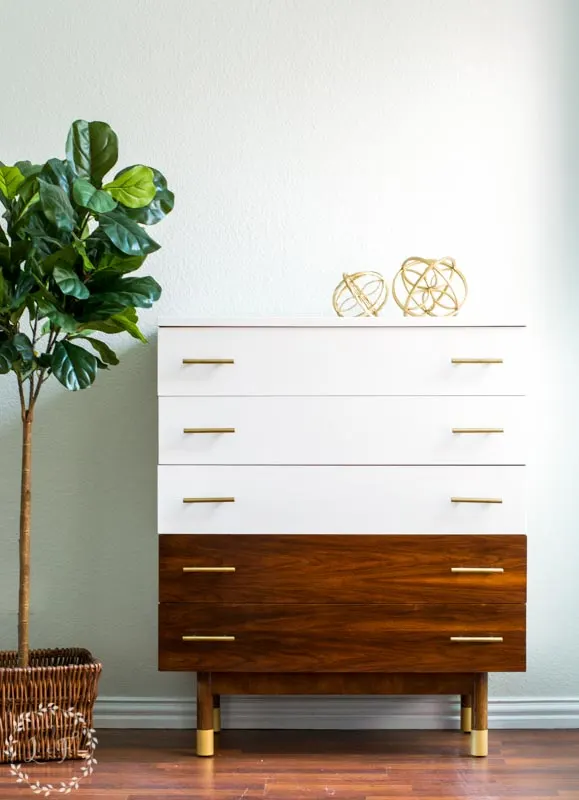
(302, 138)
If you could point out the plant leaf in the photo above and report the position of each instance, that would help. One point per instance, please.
(23, 347)
(88, 196)
(73, 366)
(121, 294)
(161, 204)
(69, 283)
(118, 323)
(57, 172)
(91, 149)
(133, 187)
(113, 263)
(59, 319)
(127, 235)
(10, 181)
(56, 206)
(27, 168)
(104, 351)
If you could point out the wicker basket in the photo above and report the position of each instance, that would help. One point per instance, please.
(67, 678)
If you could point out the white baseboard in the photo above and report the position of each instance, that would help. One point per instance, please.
(335, 713)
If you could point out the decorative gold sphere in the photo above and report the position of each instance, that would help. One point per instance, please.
(429, 287)
(361, 294)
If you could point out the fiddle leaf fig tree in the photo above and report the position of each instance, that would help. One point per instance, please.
(69, 245)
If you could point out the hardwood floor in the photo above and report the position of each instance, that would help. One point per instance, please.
(343, 765)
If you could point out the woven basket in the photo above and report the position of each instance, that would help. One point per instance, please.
(67, 678)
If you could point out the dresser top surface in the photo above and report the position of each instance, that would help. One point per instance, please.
(331, 322)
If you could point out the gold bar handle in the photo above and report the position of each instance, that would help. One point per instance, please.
(208, 361)
(208, 569)
(208, 430)
(481, 570)
(208, 638)
(478, 430)
(477, 360)
(481, 639)
(476, 500)
(209, 499)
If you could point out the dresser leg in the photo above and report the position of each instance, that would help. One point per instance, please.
(466, 713)
(204, 715)
(217, 713)
(479, 743)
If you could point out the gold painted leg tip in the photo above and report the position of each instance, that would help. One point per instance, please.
(479, 743)
(466, 720)
(205, 743)
(217, 720)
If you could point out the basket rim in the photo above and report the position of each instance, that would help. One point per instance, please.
(90, 662)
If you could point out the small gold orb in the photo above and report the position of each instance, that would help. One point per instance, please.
(360, 294)
(429, 287)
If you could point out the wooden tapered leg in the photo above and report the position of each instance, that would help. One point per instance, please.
(479, 742)
(466, 713)
(217, 713)
(204, 715)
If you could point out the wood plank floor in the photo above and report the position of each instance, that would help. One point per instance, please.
(342, 765)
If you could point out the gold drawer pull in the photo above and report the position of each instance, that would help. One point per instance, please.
(208, 430)
(481, 639)
(208, 361)
(208, 638)
(478, 430)
(477, 360)
(209, 499)
(208, 569)
(482, 570)
(476, 500)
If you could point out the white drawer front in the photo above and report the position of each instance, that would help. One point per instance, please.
(340, 361)
(341, 499)
(341, 430)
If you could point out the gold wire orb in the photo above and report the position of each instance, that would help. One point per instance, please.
(361, 294)
(429, 287)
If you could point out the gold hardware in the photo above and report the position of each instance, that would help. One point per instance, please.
(477, 360)
(208, 638)
(209, 499)
(482, 639)
(478, 430)
(361, 294)
(479, 743)
(477, 569)
(466, 719)
(205, 743)
(432, 287)
(208, 361)
(208, 430)
(476, 500)
(208, 569)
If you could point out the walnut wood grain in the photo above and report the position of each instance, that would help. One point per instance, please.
(342, 569)
(336, 638)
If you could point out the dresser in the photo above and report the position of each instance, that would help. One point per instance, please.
(341, 509)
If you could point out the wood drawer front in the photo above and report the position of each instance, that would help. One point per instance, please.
(349, 500)
(342, 569)
(338, 361)
(334, 638)
(342, 430)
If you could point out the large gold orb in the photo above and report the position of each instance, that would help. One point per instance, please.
(361, 294)
(429, 287)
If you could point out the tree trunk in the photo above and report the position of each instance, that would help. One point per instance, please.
(24, 588)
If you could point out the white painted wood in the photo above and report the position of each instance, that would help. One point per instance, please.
(341, 430)
(341, 361)
(298, 499)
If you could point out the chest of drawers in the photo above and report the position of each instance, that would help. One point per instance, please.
(341, 510)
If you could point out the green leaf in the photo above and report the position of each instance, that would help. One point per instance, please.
(23, 347)
(10, 181)
(104, 351)
(27, 168)
(26, 281)
(69, 283)
(127, 235)
(133, 188)
(56, 206)
(4, 292)
(80, 248)
(118, 323)
(121, 294)
(113, 263)
(58, 319)
(91, 149)
(161, 205)
(73, 366)
(57, 172)
(88, 196)
(7, 358)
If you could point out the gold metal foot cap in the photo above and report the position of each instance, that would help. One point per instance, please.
(466, 720)
(479, 743)
(217, 720)
(205, 743)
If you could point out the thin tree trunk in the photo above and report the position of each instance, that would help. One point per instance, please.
(24, 589)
